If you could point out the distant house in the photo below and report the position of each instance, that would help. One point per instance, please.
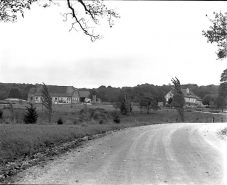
(190, 98)
(14, 100)
(84, 96)
(59, 94)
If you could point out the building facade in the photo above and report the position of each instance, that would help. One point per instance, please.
(59, 94)
(191, 100)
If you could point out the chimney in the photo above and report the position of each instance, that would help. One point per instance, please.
(187, 90)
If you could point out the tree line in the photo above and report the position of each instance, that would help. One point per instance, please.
(114, 94)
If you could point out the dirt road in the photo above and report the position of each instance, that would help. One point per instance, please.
(158, 154)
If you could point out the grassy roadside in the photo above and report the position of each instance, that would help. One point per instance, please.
(19, 142)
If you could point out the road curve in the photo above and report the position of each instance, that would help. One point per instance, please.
(157, 154)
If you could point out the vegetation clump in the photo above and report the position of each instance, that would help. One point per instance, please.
(98, 114)
(1, 114)
(30, 117)
(60, 121)
(116, 117)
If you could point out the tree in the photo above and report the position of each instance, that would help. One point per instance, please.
(126, 106)
(79, 13)
(30, 117)
(47, 102)
(146, 101)
(178, 98)
(222, 90)
(220, 102)
(170, 100)
(218, 33)
(208, 99)
(14, 93)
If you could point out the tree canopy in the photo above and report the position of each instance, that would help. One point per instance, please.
(80, 12)
(218, 33)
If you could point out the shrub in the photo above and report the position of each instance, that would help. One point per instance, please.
(116, 117)
(59, 122)
(30, 117)
(1, 114)
(100, 115)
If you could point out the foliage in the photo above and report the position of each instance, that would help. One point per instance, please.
(116, 117)
(218, 33)
(170, 100)
(98, 114)
(178, 98)
(14, 93)
(208, 99)
(47, 102)
(1, 114)
(23, 89)
(220, 102)
(126, 106)
(30, 117)
(60, 121)
(146, 101)
(79, 13)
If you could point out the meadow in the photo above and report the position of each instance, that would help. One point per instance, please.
(19, 140)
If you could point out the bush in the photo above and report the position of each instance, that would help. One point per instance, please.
(100, 115)
(1, 114)
(30, 117)
(59, 122)
(116, 117)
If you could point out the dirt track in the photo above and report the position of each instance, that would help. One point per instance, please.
(158, 154)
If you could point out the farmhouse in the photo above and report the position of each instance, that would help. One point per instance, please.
(59, 94)
(190, 98)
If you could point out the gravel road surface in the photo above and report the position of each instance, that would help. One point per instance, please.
(189, 153)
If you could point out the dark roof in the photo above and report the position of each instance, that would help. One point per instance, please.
(84, 94)
(54, 90)
(190, 94)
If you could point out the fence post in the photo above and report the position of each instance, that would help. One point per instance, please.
(213, 120)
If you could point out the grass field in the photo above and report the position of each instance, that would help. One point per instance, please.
(18, 139)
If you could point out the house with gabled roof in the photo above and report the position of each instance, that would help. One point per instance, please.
(190, 98)
(59, 94)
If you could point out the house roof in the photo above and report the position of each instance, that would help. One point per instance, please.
(84, 94)
(54, 90)
(187, 95)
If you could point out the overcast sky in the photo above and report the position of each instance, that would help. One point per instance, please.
(151, 43)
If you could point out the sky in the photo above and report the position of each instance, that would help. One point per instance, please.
(151, 43)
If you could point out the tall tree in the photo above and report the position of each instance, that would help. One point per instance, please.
(178, 98)
(220, 102)
(79, 13)
(47, 102)
(126, 106)
(218, 33)
(222, 90)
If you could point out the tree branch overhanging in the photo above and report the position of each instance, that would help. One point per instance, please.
(93, 9)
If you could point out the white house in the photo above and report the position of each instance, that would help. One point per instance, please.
(59, 94)
(190, 98)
